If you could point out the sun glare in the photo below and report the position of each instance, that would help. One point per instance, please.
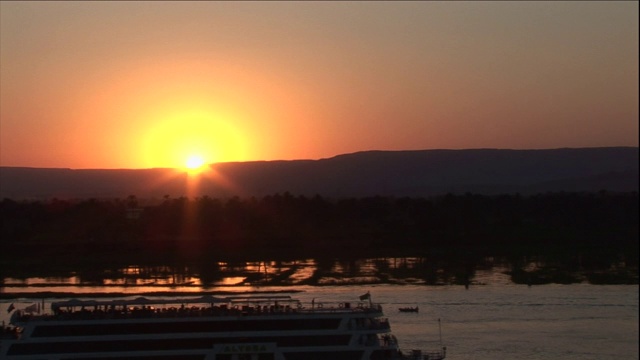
(194, 162)
(190, 140)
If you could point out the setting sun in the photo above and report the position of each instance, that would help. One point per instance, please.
(194, 162)
(190, 139)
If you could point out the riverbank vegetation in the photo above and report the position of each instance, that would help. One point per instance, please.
(596, 233)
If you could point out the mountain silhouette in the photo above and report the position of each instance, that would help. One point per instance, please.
(368, 173)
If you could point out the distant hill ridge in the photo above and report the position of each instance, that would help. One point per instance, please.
(367, 173)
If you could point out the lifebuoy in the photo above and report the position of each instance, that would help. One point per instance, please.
(341, 305)
(320, 306)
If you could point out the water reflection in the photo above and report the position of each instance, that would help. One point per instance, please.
(318, 272)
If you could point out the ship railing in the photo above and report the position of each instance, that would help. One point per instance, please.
(343, 307)
(170, 312)
(126, 310)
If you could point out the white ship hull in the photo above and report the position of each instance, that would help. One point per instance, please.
(255, 328)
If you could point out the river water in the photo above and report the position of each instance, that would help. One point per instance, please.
(495, 321)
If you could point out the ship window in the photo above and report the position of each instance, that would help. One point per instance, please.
(104, 346)
(169, 344)
(182, 327)
(383, 354)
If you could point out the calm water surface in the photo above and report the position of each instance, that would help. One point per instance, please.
(499, 321)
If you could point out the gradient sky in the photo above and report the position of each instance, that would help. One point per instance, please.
(146, 84)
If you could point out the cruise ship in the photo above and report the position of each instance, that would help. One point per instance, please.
(258, 327)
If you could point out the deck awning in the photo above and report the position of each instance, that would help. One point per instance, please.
(139, 301)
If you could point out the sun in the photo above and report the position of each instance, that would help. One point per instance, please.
(191, 139)
(194, 163)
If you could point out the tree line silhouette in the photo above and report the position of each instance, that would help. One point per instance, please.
(587, 229)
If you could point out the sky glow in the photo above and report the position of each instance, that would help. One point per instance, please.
(148, 84)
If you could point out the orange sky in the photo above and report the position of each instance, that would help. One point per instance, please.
(144, 84)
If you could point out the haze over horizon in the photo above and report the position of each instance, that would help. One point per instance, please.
(130, 85)
(179, 169)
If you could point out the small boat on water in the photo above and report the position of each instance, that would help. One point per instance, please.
(409, 309)
(257, 327)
